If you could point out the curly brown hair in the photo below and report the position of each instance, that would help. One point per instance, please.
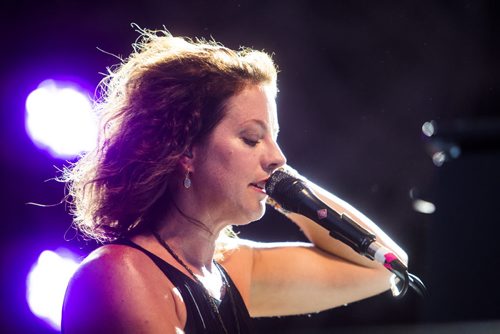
(168, 95)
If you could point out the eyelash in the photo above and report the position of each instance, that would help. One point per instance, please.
(250, 142)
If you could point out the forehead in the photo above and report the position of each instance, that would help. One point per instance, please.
(253, 104)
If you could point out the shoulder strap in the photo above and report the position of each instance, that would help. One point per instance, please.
(175, 275)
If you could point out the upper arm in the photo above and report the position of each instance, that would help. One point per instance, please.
(297, 278)
(113, 294)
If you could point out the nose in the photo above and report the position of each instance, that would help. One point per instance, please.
(276, 158)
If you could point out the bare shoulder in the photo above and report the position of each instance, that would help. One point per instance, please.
(119, 289)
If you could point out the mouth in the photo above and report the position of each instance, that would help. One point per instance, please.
(260, 186)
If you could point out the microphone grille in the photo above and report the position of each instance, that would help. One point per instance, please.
(277, 178)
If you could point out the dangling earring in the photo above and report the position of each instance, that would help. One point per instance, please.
(187, 180)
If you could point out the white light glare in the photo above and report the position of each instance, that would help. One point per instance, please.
(429, 128)
(46, 284)
(439, 158)
(422, 206)
(59, 119)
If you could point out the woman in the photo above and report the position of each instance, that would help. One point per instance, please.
(188, 140)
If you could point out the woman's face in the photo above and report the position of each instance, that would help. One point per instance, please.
(229, 170)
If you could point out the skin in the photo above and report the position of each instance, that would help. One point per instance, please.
(119, 289)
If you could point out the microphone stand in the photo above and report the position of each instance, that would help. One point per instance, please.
(390, 261)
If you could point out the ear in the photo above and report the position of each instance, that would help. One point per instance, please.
(186, 161)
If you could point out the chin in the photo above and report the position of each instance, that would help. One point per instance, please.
(252, 215)
(258, 214)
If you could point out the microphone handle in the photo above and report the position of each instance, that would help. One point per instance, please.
(340, 226)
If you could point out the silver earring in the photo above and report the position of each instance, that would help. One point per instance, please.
(187, 180)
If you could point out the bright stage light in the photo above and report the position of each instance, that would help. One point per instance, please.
(59, 119)
(46, 284)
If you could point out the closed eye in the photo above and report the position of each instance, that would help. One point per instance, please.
(250, 142)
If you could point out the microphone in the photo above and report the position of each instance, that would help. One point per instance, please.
(292, 194)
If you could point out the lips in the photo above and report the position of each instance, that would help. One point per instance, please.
(261, 185)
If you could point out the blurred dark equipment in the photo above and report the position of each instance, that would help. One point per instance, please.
(448, 140)
(462, 251)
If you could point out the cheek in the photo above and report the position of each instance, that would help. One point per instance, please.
(227, 155)
(231, 171)
(224, 164)
(222, 160)
(216, 166)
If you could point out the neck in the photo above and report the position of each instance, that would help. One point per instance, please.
(191, 239)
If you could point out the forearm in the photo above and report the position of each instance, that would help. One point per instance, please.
(321, 238)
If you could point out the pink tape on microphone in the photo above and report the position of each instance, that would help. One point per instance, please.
(389, 257)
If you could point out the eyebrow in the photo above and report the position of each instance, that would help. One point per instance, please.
(263, 125)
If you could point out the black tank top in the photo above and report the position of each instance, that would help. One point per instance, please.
(200, 316)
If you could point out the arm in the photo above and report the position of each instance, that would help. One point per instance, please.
(297, 278)
(322, 239)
